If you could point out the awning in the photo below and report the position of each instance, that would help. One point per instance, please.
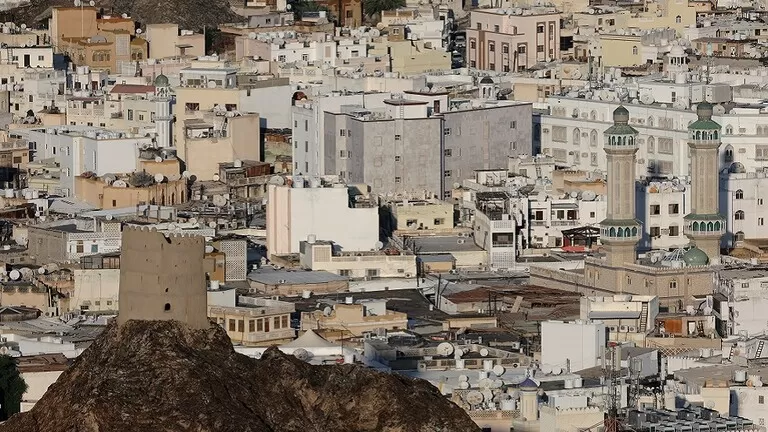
(614, 314)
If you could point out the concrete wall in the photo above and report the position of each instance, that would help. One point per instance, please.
(162, 278)
(38, 383)
(98, 288)
(578, 342)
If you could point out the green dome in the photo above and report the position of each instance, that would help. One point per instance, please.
(161, 81)
(695, 257)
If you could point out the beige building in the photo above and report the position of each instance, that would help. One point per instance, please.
(503, 40)
(96, 284)
(98, 193)
(410, 58)
(165, 40)
(162, 278)
(295, 283)
(420, 215)
(259, 322)
(355, 319)
(320, 255)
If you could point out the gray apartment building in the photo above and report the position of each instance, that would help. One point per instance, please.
(424, 141)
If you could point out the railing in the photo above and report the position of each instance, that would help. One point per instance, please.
(565, 223)
(272, 335)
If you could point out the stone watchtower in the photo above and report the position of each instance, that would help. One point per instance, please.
(620, 231)
(162, 278)
(704, 225)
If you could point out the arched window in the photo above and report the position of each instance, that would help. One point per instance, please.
(593, 115)
(634, 231)
(650, 121)
(729, 130)
(678, 19)
(576, 137)
(626, 232)
(739, 236)
(651, 144)
(575, 113)
(714, 134)
(620, 232)
(634, 50)
(728, 154)
(739, 215)
(593, 138)
(612, 232)
(717, 226)
(710, 227)
(173, 198)
(739, 194)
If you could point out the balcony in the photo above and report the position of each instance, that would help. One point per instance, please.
(257, 337)
(570, 223)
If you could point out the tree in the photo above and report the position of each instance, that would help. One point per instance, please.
(12, 387)
(299, 7)
(375, 7)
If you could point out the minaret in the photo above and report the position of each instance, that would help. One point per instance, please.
(620, 231)
(163, 116)
(704, 225)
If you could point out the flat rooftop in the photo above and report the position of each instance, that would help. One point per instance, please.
(443, 244)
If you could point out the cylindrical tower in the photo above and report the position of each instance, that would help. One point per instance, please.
(620, 231)
(163, 115)
(529, 400)
(704, 225)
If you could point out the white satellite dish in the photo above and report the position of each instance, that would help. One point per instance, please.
(463, 385)
(42, 270)
(277, 180)
(119, 184)
(474, 397)
(327, 311)
(379, 245)
(216, 177)
(301, 354)
(109, 217)
(186, 174)
(484, 352)
(211, 84)
(252, 35)
(485, 382)
(158, 159)
(159, 178)
(463, 378)
(208, 249)
(23, 26)
(91, 3)
(498, 370)
(445, 349)
(219, 200)
(496, 384)
(78, 3)
(15, 275)
(192, 220)
(212, 224)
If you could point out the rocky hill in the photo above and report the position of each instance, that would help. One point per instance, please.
(188, 14)
(162, 376)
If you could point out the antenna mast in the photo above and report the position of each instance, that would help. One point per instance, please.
(612, 396)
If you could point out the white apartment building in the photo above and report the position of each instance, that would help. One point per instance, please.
(288, 47)
(661, 207)
(498, 225)
(28, 56)
(744, 290)
(326, 209)
(573, 132)
(743, 203)
(40, 90)
(575, 345)
(79, 149)
(550, 216)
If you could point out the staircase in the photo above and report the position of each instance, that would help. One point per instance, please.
(644, 318)
(759, 352)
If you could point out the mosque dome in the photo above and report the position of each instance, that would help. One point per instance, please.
(161, 81)
(528, 384)
(621, 115)
(695, 257)
(486, 80)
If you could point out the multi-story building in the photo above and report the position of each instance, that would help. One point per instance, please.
(28, 56)
(352, 318)
(96, 283)
(166, 40)
(255, 321)
(499, 223)
(327, 210)
(505, 40)
(742, 202)
(70, 239)
(661, 207)
(419, 143)
(320, 256)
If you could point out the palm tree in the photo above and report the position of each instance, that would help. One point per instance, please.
(12, 387)
(375, 7)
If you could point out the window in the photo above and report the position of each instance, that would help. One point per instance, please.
(40, 58)
(251, 326)
(397, 158)
(306, 146)
(559, 134)
(276, 321)
(591, 214)
(504, 49)
(634, 50)
(655, 209)
(447, 131)
(306, 123)
(739, 215)
(540, 28)
(513, 124)
(761, 400)
(130, 114)
(447, 173)
(496, 28)
(665, 145)
(342, 132)
(241, 325)
(739, 194)
(231, 325)
(94, 248)
(673, 284)
(305, 57)
(678, 19)
(655, 232)
(447, 152)
(281, 58)
(397, 179)
(346, 273)
(521, 49)
(259, 325)
(472, 44)
(472, 63)
(114, 203)
(491, 47)
(674, 230)
(397, 137)
(760, 221)
(284, 321)
(761, 152)
(539, 48)
(674, 208)
(759, 201)
(439, 221)
(79, 246)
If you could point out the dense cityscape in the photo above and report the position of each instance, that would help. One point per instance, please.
(384, 215)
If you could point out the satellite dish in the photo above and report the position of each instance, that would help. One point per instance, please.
(159, 178)
(192, 220)
(211, 84)
(186, 174)
(109, 217)
(379, 245)
(463, 378)
(119, 184)
(252, 35)
(496, 384)
(474, 397)
(288, 7)
(445, 349)
(158, 159)
(212, 224)
(301, 354)
(327, 311)
(23, 26)
(219, 200)
(485, 382)
(125, 15)
(192, 178)
(498, 370)
(215, 177)
(138, 31)
(15, 275)
(463, 385)
(42, 270)
(78, 3)
(484, 352)
(91, 3)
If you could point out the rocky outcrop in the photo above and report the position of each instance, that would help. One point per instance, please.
(162, 376)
